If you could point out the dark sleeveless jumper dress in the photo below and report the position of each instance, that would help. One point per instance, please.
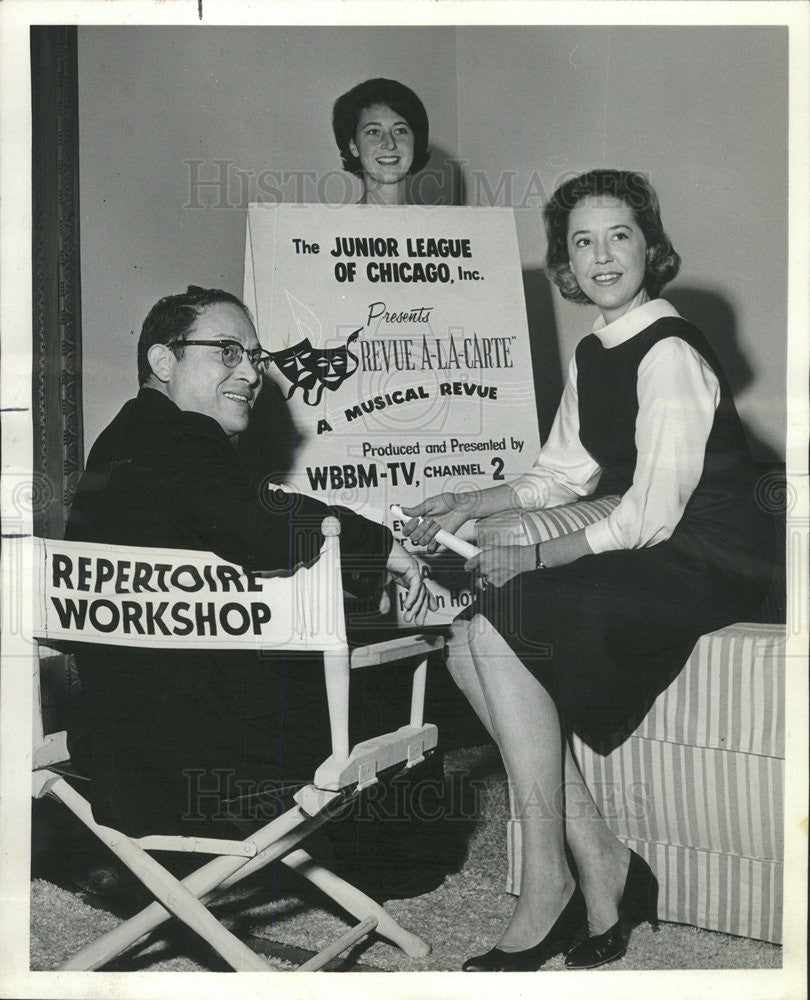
(605, 635)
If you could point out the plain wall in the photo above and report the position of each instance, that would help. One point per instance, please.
(244, 101)
(702, 110)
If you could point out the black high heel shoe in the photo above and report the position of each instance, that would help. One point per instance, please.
(639, 902)
(564, 932)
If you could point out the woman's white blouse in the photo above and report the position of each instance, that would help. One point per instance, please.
(678, 394)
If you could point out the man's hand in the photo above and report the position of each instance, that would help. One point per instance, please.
(407, 572)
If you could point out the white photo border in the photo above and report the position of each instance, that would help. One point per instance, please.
(16, 16)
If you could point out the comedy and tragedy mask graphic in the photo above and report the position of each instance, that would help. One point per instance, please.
(314, 369)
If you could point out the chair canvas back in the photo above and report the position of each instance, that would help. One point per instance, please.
(165, 598)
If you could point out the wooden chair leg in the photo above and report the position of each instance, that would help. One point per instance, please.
(273, 841)
(355, 902)
(171, 893)
(208, 882)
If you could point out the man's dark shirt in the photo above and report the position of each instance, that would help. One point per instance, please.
(159, 476)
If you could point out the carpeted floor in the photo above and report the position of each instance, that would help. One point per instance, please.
(462, 917)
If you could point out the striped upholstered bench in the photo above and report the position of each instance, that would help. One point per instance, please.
(697, 787)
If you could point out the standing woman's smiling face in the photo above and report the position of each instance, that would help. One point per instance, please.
(384, 144)
(607, 252)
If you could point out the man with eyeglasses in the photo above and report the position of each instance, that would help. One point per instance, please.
(166, 473)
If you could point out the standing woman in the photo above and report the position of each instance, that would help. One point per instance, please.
(381, 129)
(584, 631)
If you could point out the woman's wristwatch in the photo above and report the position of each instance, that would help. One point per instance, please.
(538, 561)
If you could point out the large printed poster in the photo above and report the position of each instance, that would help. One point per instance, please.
(401, 347)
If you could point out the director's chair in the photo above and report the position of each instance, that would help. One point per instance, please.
(303, 611)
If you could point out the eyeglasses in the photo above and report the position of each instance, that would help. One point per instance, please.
(232, 352)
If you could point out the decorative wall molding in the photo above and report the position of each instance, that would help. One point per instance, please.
(57, 353)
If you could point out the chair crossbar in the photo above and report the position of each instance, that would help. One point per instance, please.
(197, 845)
(394, 650)
(347, 940)
(43, 781)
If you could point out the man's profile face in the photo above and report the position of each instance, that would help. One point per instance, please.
(200, 380)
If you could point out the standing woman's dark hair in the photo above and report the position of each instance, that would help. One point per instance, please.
(663, 262)
(381, 129)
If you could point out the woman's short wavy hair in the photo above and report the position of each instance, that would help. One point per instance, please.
(172, 318)
(394, 95)
(663, 262)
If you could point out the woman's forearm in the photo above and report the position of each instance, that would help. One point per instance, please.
(565, 549)
(482, 503)
(554, 552)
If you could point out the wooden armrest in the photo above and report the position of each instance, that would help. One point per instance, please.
(52, 751)
(407, 745)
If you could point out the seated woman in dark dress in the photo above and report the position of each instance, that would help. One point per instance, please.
(381, 128)
(582, 632)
